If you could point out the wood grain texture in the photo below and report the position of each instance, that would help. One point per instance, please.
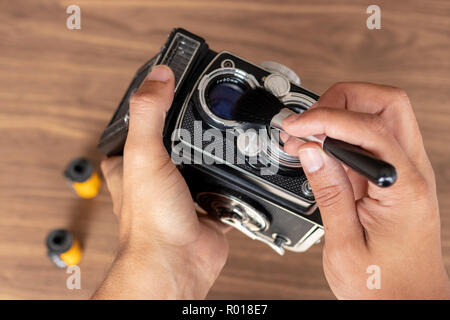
(58, 88)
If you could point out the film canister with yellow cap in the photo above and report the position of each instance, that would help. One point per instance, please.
(63, 248)
(83, 178)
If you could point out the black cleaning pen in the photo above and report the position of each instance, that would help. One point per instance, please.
(262, 107)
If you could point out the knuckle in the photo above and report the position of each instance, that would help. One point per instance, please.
(135, 154)
(322, 113)
(424, 202)
(137, 97)
(370, 217)
(141, 99)
(328, 196)
(339, 86)
(377, 124)
(399, 92)
(400, 97)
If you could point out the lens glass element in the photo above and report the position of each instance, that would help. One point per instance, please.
(222, 96)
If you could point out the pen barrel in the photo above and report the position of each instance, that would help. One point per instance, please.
(376, 170)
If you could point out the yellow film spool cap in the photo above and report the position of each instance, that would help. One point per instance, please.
(89, 188)
(84, 179)
(73, 256)
(63, 248)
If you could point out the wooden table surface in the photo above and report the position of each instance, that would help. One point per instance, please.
(59, 87)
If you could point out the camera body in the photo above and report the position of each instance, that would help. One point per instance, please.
(223, 160)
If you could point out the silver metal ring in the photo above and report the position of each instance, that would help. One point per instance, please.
(272, 148)
(299, 99)
(227, 63)
(274, 151)
(232, 73)
(306, 189)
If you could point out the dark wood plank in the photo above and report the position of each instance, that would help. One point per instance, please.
(58, 89)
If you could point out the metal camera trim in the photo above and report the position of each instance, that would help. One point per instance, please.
(264, 184)
(227, 63)
(273, 151)
(275, 154)
(246, 212)
(315, 233)
(311, 237)
(207, 78)
(296, 97)
(187, 100)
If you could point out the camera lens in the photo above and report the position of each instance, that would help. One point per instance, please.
(223, 94)
(218, 92)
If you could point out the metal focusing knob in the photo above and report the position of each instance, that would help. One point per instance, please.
(278, 68)
(240, 215)
(233, 211)
(240, 218)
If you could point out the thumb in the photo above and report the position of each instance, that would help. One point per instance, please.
(148, 107)
(333, 193)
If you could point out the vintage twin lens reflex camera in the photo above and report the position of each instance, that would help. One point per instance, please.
(277, 209)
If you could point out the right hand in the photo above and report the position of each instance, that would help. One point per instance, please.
(396, 229)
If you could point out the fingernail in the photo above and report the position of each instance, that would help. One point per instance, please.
(311, 159)
(160, 73)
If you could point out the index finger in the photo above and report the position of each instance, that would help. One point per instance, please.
(391, 105)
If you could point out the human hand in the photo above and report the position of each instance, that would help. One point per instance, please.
(395, 228)
(166, 250)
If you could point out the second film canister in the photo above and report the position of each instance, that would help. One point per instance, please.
(84, 179)
(63, 248)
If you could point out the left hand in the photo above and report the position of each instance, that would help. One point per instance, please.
(166, 250)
